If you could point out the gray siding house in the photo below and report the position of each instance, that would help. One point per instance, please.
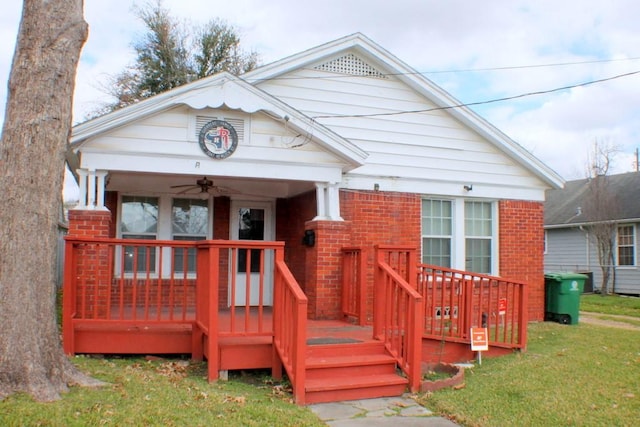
(572, 215)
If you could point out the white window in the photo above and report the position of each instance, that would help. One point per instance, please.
(626, 245)
(437, 227)
(139, 220)
(478, 226)
(459, 234)
(163, 218)
(189, 221)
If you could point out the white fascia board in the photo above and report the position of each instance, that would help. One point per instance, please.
(443, 189)
(131, 162)
(144, 108)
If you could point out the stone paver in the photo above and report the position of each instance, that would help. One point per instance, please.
(385, 411)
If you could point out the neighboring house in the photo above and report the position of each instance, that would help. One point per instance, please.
(339, 146)
(570, 244)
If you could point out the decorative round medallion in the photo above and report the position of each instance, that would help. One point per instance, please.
(218, 139)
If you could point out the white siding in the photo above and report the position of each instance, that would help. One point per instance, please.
(428, 148)
(570, 249)
(167, 143)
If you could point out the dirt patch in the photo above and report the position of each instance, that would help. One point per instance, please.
(609, 320)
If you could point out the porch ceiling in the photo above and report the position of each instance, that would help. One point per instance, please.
(143, 183)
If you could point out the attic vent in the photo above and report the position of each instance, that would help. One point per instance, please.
(350, 64)
(238, 125)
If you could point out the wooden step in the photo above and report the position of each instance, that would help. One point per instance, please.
(340, 366)
(357, 387)
(336, 372)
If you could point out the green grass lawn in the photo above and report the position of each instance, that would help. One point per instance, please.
(611, 304)
(160, 393)
(579, 375)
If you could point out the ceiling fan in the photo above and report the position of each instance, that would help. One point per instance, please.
(204, 185)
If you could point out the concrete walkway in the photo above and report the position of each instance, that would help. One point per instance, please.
(385, 411)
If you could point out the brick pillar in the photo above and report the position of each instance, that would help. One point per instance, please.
(93, 275)
(89, 223)
(324, 268)
(522, 249)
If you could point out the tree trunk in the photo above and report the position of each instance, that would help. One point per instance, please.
(34, 139)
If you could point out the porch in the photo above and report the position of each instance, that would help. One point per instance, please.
(236, 304)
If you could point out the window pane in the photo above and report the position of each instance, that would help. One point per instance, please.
(477, 219)
(478, 255)
(437, 252)
(190, 216)
(180, 255)
(140, 258)
(250, 227)
(436, 232)
(626, 247)
(139, 214)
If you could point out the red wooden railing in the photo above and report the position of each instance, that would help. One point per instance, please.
(354, 304)
(290, 328)
(456, 301)
(398, 314)
(152, 282)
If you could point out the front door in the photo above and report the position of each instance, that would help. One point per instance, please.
(252, 221)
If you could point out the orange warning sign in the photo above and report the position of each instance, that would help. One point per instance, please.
(479, 339)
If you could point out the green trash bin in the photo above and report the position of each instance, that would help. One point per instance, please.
(563, 292)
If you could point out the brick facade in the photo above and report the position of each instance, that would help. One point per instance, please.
(370, 218)
(94, 268)
(521, 249)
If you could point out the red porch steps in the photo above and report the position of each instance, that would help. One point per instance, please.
(351, 371)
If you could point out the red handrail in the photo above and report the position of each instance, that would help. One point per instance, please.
(290, 326)
(397, 318)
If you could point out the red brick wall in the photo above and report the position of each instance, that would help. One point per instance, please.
(93, 271)
(291, 218)
(521, 240)
(89, 223)
(371, 218)
(380, 218)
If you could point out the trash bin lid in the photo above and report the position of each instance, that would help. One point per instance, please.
(565, 276)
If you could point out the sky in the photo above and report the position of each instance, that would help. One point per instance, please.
(478, 51)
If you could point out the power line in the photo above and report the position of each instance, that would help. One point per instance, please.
(508, 98)
(518, 67)
(461, 70)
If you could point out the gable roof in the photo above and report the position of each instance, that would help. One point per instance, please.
(222, 89)
(383, 59)
(225, 89)
(566, 207)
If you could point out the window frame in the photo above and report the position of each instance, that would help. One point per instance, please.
(164, 231)
(449, 237)
(632, 245)
(458, 238)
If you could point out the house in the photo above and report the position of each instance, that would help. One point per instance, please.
(337, 182)
(573, 216)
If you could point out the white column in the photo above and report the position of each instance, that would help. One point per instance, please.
(328, 202)
(82, 184)
(333, 202)
(101, 184)
(91, 189)
(321, 206)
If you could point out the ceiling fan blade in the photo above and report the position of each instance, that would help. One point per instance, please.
(186, 190)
